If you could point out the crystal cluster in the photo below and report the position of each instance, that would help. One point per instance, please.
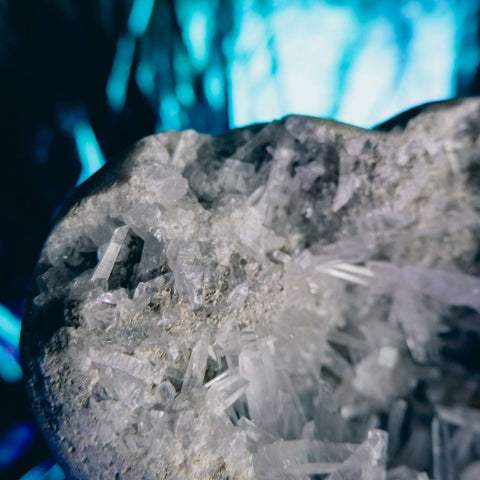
(296, 300)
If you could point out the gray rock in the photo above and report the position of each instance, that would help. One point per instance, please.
(284, 301)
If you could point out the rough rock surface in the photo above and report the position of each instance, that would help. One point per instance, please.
(287, 301)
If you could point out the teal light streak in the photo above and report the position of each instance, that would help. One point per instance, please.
(185, 94)
(10, 370)
(88, 149)
(37, 472)
(9, 327)
(181, 64)
(55, 473)
(145, 78)
(14, 443)
(140, 16)
(197, 22)
(170, 113)
(44, 471)
(215, 88)
(197, 33)
(117, 83)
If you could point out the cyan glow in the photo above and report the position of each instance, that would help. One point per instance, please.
(9, 327)
(45, 471)
(37, 472)
(55, 473)
(185, 94)
(10, 370)
(467, 39)
(372, 75)
(14, 442)
(145, 78)
(117, 83)
(89, 152)
(140, 16)
(427, 76)
(197, 33)
(355, 63)
(214, 87)
(170, 113)
(181, 64)
(197, 22)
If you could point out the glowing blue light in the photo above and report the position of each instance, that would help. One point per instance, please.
(145, 78)
(45, 471)
(9, 327)
(467, 21)
(88, 149)
(37, 472)
(353, 62)
(214, 86)
(117, 83)
(181, 64)
(55, 473)
(371, 76)
(140, 16)
(14, 442)
(170, 113)
(185, 94)
(197, 33)
(378, 89)
(196, 19)
(10, 370)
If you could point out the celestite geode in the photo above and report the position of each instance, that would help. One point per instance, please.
(287, 301)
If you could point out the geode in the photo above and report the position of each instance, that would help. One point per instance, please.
(294, 300)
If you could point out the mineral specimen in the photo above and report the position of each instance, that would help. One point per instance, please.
(286, 301)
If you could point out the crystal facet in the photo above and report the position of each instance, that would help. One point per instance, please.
(286, 301)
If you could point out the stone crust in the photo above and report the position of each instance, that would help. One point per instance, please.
(272, 303)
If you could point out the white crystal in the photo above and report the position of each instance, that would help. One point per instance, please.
(105, 266)
(258, 305)
(238, 295)
(195, 372)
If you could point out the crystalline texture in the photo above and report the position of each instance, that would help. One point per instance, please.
(297, 300)
(195, 372)
(105, 266)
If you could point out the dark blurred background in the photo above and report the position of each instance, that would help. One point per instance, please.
(81, 80)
